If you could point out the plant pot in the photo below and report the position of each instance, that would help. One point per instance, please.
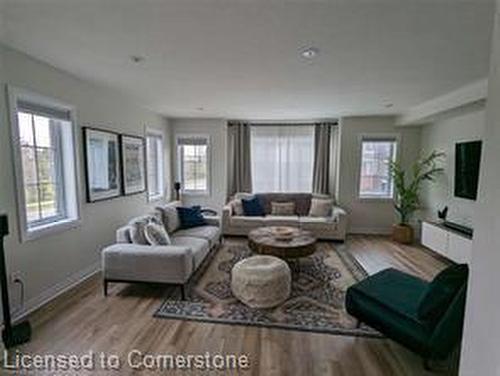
(403, 234)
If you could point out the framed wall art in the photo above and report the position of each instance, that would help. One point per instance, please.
(133, 164)
(102, 164)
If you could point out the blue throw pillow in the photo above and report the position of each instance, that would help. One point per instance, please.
(252, 207)
(191, 217)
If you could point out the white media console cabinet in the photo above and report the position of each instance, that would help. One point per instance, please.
(447, 242)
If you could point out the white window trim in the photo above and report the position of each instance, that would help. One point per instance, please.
(205, 193)
(374, 137)
(14, 94)
(157, 133)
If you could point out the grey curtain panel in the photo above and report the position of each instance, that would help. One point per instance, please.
(239, 174)
(324, 170)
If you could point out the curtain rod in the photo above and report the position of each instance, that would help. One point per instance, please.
(302, 123)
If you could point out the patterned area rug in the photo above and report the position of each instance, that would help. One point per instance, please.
(316, 303)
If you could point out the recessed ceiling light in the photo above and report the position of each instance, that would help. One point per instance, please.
(309, 52)
(137, 59)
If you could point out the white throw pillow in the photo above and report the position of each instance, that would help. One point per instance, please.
(137, 226)
(237, 207)
(156, 234)
(321, 207)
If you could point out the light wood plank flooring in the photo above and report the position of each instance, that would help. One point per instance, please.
(83, 320)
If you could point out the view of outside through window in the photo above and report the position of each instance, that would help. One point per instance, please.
(375, 177)
(154, 160)
(42, 174)
(194, 167)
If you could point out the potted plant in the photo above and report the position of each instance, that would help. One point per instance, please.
(407, 189)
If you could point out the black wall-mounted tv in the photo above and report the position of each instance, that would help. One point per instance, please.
(467, 163)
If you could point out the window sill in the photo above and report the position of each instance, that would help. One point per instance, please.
(156, 198)
(375, 199)
(196, 194)
(50, 229)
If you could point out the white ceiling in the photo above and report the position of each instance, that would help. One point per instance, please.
(240, 58)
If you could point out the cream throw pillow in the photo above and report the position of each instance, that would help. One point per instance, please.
(237, 207)
(282, 208)
(320, 207)
(156, 234)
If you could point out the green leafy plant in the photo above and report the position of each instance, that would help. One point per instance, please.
(407, 186)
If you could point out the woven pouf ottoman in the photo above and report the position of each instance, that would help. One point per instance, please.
(261, 281)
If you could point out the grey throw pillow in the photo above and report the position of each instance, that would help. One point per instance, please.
(137, 228)
(156, 234)
(282, 208)
(321, 207)
(170, 217)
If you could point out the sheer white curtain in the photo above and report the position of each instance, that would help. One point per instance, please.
(282, 158)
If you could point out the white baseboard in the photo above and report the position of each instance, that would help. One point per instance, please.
(371, 230)
(53, 292)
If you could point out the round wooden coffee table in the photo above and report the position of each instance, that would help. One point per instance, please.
(282, 241)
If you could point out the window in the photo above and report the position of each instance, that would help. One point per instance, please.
(154, 159)
(43, 132)
(375, 179)
(282, 158)
(193, 157)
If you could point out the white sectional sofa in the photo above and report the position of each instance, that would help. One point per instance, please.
(174, 264)
(331, 227)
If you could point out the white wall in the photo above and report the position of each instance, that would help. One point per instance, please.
(466, 124)
(369, 216)
(481, 344)
(216, 129)
(48, 264)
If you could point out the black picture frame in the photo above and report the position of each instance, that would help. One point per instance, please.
(133, 164)
(113, 177)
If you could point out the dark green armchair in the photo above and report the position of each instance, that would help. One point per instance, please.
(426, 317)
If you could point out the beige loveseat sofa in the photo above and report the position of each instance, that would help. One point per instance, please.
(127, 261)
(331, 227)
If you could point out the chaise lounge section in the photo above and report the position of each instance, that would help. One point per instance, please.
(128, 261)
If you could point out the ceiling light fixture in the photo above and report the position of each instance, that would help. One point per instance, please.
(388, 105)
(309, 52)
(137, 59)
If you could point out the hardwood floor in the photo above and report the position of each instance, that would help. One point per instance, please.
(83, 320)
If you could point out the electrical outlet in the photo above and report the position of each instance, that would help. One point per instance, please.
(15, 276)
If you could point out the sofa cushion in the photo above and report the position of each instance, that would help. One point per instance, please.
(190, 216)
(252, 207)
(156, 234)
(441, 292)
(199, 247)
(281, 220)
(282, 208)
(210, 233)
(243, 221)
(170, 216)
(321, 207)
(318, 223)
(302, 201)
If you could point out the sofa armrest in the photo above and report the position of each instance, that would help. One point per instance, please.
(338, 213)
(227, 212)
(146, 263)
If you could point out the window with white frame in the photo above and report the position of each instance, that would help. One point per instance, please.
(45, 161)
(282, 158)
(193, 166)
(154, 160)
(375, 178)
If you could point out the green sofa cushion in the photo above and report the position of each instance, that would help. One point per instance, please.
(440, 292)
